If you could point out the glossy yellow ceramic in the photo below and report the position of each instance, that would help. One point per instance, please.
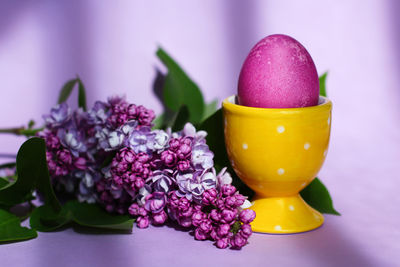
(278, 152)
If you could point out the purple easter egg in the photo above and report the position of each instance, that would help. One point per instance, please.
(278, 73)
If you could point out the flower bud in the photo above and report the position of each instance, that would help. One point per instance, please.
(247, 216)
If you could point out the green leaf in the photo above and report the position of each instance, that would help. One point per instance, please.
(44, 219)
(322, 84)
(3, 182)
(31, 123)
(210, 109)
(180, 90)
(11, 229)
(181, 119)
(32, 174)
(81, 95)
(92, 215)
(67, 90)
(318, 197)
(158, 122)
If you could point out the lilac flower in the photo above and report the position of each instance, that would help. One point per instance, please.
(161, 139)
(197, 217)
(129, 127)
(193, 185)
(228, 215)
(98, 114)
(59, 115)
(169, 158)
(202, 157)
(155, 202)
(142, 195)
(222, 243)
(162, 181)
(143, 222)
(154, 175)
(223, 230)
(200, 234)
(245, 230)
(223, 177)
(247, 216)
(80, 163)
(190, 130)
(228, 190)
(73, 140)
(183, 165)
(238, 241)
(115, 100)
(160, 218)
(141, 140)
(65, 157)
(114, 140)
(145, 116)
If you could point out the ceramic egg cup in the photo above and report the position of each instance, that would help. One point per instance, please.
(277, 153)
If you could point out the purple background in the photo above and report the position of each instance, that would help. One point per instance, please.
(111, 45)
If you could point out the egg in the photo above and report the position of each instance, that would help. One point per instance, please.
(278, 73)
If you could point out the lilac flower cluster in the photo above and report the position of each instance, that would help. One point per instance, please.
(110, 155)
(78, 142)
(218, 217)
(70, 162)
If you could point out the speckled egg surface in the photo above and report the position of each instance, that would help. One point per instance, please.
(278, 73)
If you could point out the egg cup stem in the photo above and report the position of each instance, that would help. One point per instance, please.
(284, 215)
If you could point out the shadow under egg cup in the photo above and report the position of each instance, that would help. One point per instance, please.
(277, 152)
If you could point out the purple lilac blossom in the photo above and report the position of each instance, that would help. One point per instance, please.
(193, 185)
(155, 175)
(141, 140)
(59, 116)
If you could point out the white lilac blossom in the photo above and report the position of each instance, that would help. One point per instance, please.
(161, 139)
(202, 157)
(141, 140)
(72, 140)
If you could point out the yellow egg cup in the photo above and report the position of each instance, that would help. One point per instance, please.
(277, 153)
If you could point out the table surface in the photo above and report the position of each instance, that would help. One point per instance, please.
(361, 171)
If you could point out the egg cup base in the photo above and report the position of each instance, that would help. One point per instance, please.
(284, 215)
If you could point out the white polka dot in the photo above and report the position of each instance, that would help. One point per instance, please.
(278, 228)
(280, 129)
(303, 184)
(281, 171)
(225, 122)
(232, 163)
(325, 152)
(245, 146)
(306, 146)
(291, 207)
(329, 120)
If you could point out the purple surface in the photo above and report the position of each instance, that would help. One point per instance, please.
(45, 42)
